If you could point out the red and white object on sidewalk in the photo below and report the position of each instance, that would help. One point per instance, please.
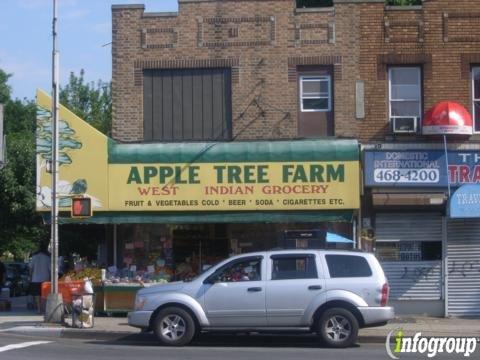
(447, 118)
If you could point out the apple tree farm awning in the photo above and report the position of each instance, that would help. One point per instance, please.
(257, 181)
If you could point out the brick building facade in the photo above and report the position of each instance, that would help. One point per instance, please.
(267, 43)
(264, 43)
(265, 70)
(441, 37)
(411, 58)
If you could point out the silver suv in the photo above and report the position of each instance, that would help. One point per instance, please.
(328, 292)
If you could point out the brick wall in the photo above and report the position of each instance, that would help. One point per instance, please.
(263, 41)
(442, 35)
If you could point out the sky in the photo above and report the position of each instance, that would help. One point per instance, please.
(84, 30)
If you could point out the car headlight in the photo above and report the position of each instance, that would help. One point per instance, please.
(140, 302)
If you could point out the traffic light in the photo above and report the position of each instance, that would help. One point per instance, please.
(81, 207)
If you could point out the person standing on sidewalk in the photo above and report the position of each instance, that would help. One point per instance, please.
(40, 272)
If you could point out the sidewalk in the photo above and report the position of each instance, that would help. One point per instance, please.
(22, 321)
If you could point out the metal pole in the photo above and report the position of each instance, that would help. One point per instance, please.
(54, 306)
(354, 231)
(446, 162)
(445, 264)
(55, 97)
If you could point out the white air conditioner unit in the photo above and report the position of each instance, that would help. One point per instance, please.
(404, 125)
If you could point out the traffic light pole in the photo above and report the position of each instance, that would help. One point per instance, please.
(54, 308)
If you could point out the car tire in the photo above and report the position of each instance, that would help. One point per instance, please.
(174, 326)
(338, 328)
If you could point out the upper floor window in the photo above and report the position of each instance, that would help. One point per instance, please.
(405, 98)
(315, 93)
(476, 97)
(314, 3)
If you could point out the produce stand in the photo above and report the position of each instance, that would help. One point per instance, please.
(116, 298)
(114, 289)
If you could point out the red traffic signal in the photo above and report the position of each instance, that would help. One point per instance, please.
(81, 207)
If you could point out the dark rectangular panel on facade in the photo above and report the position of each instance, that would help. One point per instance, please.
(157, 108)
(187, 104)
(147, 107)
(166, 97)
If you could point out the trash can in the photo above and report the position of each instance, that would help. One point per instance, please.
(83, 310)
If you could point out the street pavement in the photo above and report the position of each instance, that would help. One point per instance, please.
(144, 346)
(23, 335)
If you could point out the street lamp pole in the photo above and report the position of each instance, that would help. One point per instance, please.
(54, 308)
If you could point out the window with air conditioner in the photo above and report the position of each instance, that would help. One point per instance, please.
(405, 98)
(476, 97)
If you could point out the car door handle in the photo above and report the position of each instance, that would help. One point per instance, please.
(315, 287)
(254, 289)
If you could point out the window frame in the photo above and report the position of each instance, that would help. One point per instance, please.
(307, 257)
(420, 100)
(313, 77)
(475, 68)
(327, 256)
(222, 268)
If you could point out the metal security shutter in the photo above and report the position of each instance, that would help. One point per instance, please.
(414, 280)
(187, 104)
(463, 246)
(411, 280)
(408, 227)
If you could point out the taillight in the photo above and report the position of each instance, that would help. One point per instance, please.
(385, 291)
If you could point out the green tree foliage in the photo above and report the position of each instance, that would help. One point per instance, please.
(4, 88)
(90, 101)
(20, 226)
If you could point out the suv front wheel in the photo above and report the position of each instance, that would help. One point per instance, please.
(338, 327)
(174, 326)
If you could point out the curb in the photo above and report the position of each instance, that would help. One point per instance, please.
(60, 332)
(374, 339)
(104, 335)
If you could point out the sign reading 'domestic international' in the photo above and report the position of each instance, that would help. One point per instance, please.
(234, 186)
(421, 168)
(169, 177)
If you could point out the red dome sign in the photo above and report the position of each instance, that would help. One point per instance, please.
(447, 118)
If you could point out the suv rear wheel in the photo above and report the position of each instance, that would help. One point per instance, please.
(174, 326)
(338, 327)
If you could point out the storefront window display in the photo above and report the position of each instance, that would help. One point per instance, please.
(181, 251)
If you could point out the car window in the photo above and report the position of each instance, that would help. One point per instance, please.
(294, 267)
(240, 270)
(347, 266)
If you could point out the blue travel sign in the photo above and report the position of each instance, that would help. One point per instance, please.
(465, 202)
